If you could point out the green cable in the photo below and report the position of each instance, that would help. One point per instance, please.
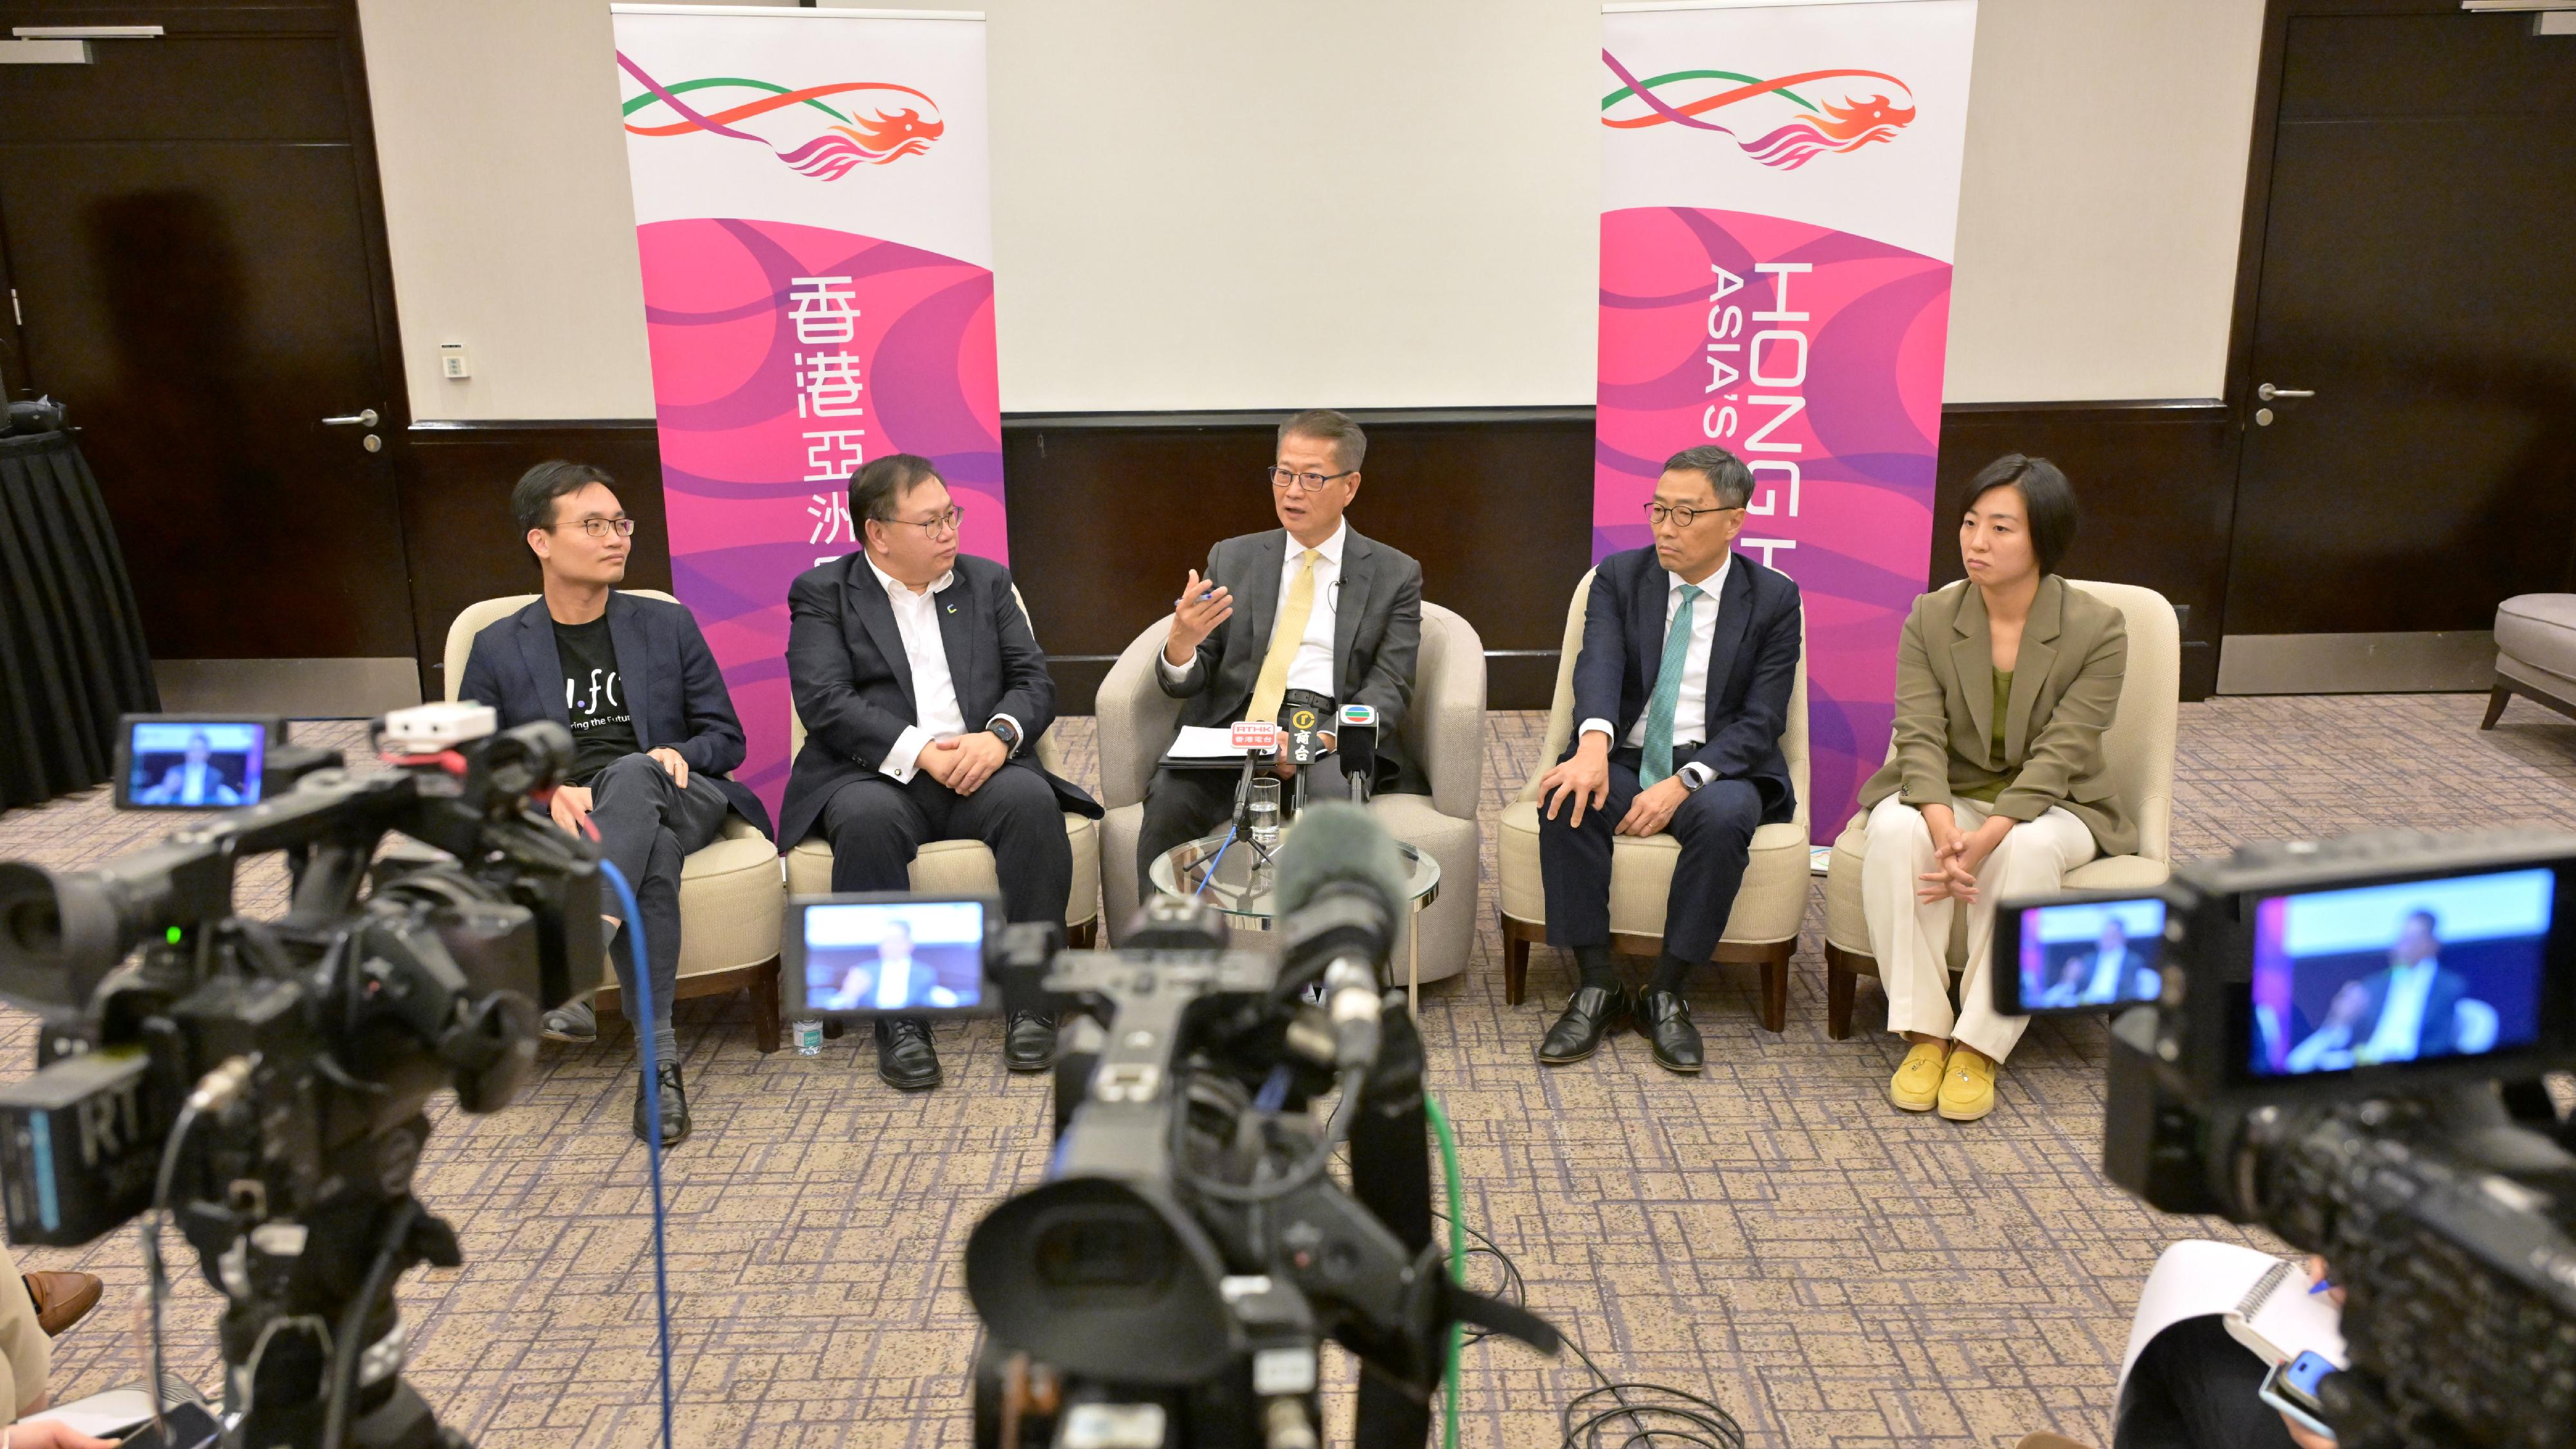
(1457, 1256)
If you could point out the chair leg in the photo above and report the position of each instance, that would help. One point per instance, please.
(831, 1030)
(764, 1008)
(1841, 981)
(2495, 705)
(1775, 986)
(1081, 937)
(1516, 952)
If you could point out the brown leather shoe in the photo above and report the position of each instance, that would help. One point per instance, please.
(62, 1299)
(2045, 1440)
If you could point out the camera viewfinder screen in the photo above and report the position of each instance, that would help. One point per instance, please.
(894, 956)
(2093, 953)
(2398, 973)
(195, 764)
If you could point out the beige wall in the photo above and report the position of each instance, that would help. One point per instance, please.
(1363, 202)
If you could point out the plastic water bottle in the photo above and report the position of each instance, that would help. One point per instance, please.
(808, 1036)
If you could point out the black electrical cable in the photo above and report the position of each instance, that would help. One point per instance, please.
(1337, 1128)
(1655, 1412)
(348, 1348)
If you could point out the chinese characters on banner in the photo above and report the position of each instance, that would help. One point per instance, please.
(813, 216)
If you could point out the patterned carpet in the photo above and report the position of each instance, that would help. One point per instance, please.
(1772, 1234)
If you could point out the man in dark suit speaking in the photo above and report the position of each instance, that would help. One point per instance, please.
(1681, 691)
(653, 730)
(923, 690)
(2406, 1010)
(1308, 616)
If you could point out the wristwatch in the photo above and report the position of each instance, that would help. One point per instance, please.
(1690, 781)
(1002, 730)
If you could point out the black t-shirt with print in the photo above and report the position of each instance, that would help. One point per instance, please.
(602, 731)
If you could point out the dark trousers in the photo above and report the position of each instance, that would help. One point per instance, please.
(1182, 805)
(1715, 827)
(648, 825)
(877, 825)
(2196, 1388)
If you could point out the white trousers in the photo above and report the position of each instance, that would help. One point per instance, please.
(1912, 938)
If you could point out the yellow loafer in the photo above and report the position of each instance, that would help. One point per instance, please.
(1967, 1087)
(1917, 1084)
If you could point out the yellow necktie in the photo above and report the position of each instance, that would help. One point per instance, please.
(1285, 636)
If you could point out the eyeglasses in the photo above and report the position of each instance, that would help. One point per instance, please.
(945, 523)
(602, 527)
(1280, 478)
(1657, 513)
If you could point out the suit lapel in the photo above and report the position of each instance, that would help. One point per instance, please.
(1734, 619)
(1359, 571)
(1646, 609)
(545, 665)
(2031, 667)
(1972, 663)
(876, 618)
(634, 665)
(1258, 599)
(952, 607)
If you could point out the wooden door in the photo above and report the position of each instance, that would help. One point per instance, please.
(2411, 266)
(193, 231)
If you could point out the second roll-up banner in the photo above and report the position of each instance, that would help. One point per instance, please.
(813, 207)
(1779, 203)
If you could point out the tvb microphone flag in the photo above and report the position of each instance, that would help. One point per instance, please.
(1779, 207)
(813, 208)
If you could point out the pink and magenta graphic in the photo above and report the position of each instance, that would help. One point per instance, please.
(1815, 356)
(784, 357)
(846, 143)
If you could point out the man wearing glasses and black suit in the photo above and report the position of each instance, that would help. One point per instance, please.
(1310, 615)
(653, 729)
(923, 691)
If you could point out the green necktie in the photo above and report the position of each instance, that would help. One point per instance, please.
(1658, 764)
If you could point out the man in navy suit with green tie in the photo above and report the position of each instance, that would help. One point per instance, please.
(1681, 690)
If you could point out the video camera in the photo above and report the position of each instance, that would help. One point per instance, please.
(264, 1080)
(1171, 1281)
(2317, 1038)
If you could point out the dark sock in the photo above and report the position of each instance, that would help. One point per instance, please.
(1670, 973)
(1593, 963)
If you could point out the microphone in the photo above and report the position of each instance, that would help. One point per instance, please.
(1355, 740)
(1341, 884)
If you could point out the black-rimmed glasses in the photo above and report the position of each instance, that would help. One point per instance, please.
(622, 526)
(1681, 515)
(1280, 478)
(940, 526)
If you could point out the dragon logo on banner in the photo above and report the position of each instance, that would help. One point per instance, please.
(1857, 115)
(845, 143)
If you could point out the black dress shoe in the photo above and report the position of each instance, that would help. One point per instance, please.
(675, 1107)
(1663, 1019)
(905, 1058)
(1028, 1045)
(1593, 1012)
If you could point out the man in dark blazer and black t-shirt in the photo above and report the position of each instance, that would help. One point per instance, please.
(653, 727)
(923, 693)
(1680, 693)
(1356, 606)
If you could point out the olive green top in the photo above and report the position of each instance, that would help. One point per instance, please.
(1993, 790)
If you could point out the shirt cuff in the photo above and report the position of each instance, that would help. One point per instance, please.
(1018, 732)
(1699, 774)
(904, 760)
(1597, 726)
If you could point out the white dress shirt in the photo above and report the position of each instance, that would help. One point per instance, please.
(2401, 1013)
(1312, 669)
(1690, 712)
(934, 693)
(2109, 969)
(894, 983)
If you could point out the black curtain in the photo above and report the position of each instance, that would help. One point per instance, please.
(72, 656)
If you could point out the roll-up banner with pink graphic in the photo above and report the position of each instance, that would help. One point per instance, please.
(1779, 202)
(813, 207)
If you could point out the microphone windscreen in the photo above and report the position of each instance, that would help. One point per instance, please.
(1334, 843)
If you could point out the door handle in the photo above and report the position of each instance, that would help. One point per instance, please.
(362, 418)
(2267, 392)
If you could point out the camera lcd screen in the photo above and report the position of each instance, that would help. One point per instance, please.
(192, 764)
(2412, 971)
(893, 957)
(2091, 954)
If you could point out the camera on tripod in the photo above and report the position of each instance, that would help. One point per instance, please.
(1172, 1280)
(2313, 1037)
(263, 1080)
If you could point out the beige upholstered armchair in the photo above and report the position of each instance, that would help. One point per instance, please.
(1444, 730)
(2140, 747)
(965, 867)
(731, 902)
(1769, 906)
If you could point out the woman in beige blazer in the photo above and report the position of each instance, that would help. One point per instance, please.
(1997, 786)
